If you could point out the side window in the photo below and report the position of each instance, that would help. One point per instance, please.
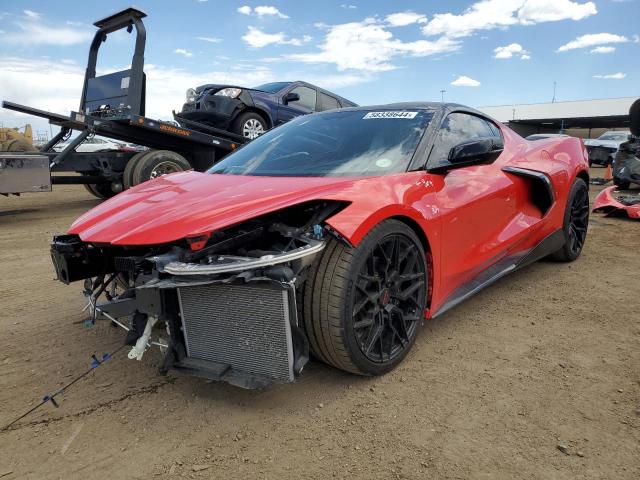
(494, 129)
(457, 128)
(327, 102)
(307, 98)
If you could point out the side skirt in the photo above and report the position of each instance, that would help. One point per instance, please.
(547, 246)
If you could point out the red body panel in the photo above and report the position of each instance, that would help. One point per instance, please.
(606, 203)
(472, 217)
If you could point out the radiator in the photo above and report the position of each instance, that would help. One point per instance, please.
(244, 326)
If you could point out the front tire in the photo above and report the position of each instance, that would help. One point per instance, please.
(576, 221)
(362, 307)
(250, 125)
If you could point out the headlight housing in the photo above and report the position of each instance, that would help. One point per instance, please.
(229, 92)
(191, 95)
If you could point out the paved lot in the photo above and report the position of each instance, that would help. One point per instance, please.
(548, 356)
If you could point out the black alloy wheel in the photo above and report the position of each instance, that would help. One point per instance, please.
(388, 298)
(576, 222)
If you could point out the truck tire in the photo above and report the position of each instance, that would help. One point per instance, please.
(127, 176)
(362, 306)
(157, 163)
(250, 125)
(100, 190)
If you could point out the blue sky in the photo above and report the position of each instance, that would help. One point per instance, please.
(488, 52)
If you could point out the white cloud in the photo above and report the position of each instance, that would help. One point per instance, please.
(592, 40)
(369, 46)
(31, 14)
(256, 38)
(603, 50)
(490, 14)
(262, 11)
(402, 19)
(464, 81)
(538, 11)
(34, 32)
(266, 10)
(510, 50)
(336, 80)
(182, 51)
(348, 6)
(209, 39)
(612, 76)
(74, 24)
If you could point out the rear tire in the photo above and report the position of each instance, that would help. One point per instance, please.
(362, 307)
(127, 176)
(100, 190)
(157, 163)
(575, 224)
(250, 125)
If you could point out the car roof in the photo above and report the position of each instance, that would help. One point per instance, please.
(445, 107)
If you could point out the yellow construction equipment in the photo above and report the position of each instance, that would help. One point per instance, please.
(13, 140)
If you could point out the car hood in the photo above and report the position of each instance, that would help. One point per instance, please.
(594, 142)
(188, 204)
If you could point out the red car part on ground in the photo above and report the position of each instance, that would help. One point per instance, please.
(615, 203)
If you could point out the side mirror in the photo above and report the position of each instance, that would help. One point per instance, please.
(291, 97)
(481, 150)
(473, 152)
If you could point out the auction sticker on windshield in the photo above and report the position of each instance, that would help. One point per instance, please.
(389, 114)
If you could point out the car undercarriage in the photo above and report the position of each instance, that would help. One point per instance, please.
(221, 307)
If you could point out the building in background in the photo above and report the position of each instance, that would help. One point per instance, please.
(581, 118)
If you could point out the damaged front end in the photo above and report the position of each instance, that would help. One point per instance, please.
(223, 303)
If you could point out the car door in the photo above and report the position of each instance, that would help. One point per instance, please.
(306, 104)
(477, 205)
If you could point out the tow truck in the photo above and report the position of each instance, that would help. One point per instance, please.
(113, 106)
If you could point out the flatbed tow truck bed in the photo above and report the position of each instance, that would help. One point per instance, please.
(112, 106)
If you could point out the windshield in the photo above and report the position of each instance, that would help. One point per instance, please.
(614, 136)
(338, 143)
(272, 87)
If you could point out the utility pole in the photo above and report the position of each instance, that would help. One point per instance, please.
(442, 92)
(553, 100)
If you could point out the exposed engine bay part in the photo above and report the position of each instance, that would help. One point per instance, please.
(227, 299)
(141, 344)
(617, 203)
(235, 263)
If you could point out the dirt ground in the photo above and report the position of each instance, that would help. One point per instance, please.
(548, 356)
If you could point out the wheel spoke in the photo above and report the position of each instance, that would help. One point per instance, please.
(373, 338)
(367, 322)
(406, 293)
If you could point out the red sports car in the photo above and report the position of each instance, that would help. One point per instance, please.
(334, 235)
